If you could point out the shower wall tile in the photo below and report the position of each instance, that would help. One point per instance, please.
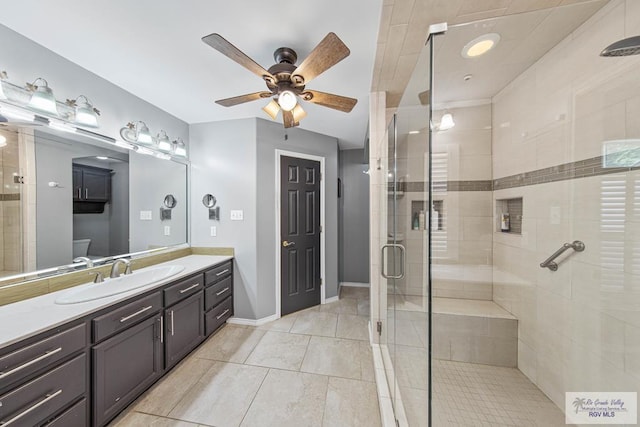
(579, 327)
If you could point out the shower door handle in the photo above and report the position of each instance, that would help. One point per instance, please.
(402, 261)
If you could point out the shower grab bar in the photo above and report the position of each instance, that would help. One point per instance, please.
(576, 245)
(382, 263)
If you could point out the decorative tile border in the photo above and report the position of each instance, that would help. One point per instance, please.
(580, 169)
(9, 197)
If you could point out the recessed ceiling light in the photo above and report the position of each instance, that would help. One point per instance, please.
(414, 132)
(102, 158)
(480, 45)
(467, 77)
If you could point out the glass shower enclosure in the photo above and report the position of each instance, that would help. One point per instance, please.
(508, 223)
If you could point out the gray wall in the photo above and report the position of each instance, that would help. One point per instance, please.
(151, 179)
(354, 218)
(270, 136)
(224, 164)
(235, 161)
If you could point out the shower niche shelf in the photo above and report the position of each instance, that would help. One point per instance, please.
(437, 215)
(509, 216)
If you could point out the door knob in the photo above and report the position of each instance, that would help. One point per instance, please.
(286, 244)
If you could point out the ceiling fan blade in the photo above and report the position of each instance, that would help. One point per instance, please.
(230, 102)
(330, 100)
(220, 44)
(288, 119)
(272, 109)
(325, 55)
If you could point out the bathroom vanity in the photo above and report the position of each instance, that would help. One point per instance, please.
(80, 364)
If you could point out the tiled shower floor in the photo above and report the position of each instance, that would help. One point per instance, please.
(467, 394)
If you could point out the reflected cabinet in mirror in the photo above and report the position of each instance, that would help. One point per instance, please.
(66, 198)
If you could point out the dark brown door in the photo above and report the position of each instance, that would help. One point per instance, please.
(300, 233)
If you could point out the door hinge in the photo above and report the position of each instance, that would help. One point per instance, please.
(321, 281)
(321, 229)
(18, 179)
(379, 327)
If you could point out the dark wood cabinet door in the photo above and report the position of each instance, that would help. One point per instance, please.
(77, 183)
(124, 366)
(97, 185)
(184, 328)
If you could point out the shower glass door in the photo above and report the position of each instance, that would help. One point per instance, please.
(408, 209)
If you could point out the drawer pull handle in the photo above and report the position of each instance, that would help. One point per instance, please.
(47, 398)
(137, 313)
(29, 363)
(223, 313)
(222, 291)
(195, 285)
(226, 270)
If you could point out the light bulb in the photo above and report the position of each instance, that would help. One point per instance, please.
(164, 143)
(287, 100)
(86, 115)
(446, 122)
(144, 136)
(43, 99)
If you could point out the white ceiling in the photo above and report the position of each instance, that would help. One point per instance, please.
(153, 50)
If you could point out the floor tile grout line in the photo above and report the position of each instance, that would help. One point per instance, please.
(254, 397)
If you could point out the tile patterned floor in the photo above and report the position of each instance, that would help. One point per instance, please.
(311, 368)
(468, 394)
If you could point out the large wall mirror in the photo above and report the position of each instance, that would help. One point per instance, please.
(66, 196)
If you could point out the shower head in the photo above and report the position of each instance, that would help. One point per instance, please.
(625, 47)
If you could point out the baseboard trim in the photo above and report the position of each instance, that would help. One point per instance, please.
(355, 284)
(252, 322)
(332, 299)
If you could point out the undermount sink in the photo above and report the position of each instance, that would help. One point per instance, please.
(110, 287)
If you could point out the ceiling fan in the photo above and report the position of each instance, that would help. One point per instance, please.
(286, 81)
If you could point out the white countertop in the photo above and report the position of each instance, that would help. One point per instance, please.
(30, 317)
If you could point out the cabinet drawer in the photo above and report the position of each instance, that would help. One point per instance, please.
(76, 416)
(183, 289)
(218, 292)
(32, 358)
(123, 317)
(216, 317)
(39, 399)
(217, 273)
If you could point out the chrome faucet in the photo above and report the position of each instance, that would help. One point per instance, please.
(99, 276)
(115, 267)
(87, 261)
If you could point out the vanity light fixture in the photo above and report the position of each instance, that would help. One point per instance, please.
(85, 113)
(480, 45)
(3, 76)
(42, 98)
(137, 132)
(446, 122)
(61, 126)
(179, 148)
(16, 114)
(163, 141)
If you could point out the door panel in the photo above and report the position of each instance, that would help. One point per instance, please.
(300, 248)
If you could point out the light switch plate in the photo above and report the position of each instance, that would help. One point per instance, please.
(145, 215)
(167, 230)
(237, 215)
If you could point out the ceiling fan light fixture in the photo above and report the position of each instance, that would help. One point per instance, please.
(298, 113)
(287, 100)
(272, 109)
